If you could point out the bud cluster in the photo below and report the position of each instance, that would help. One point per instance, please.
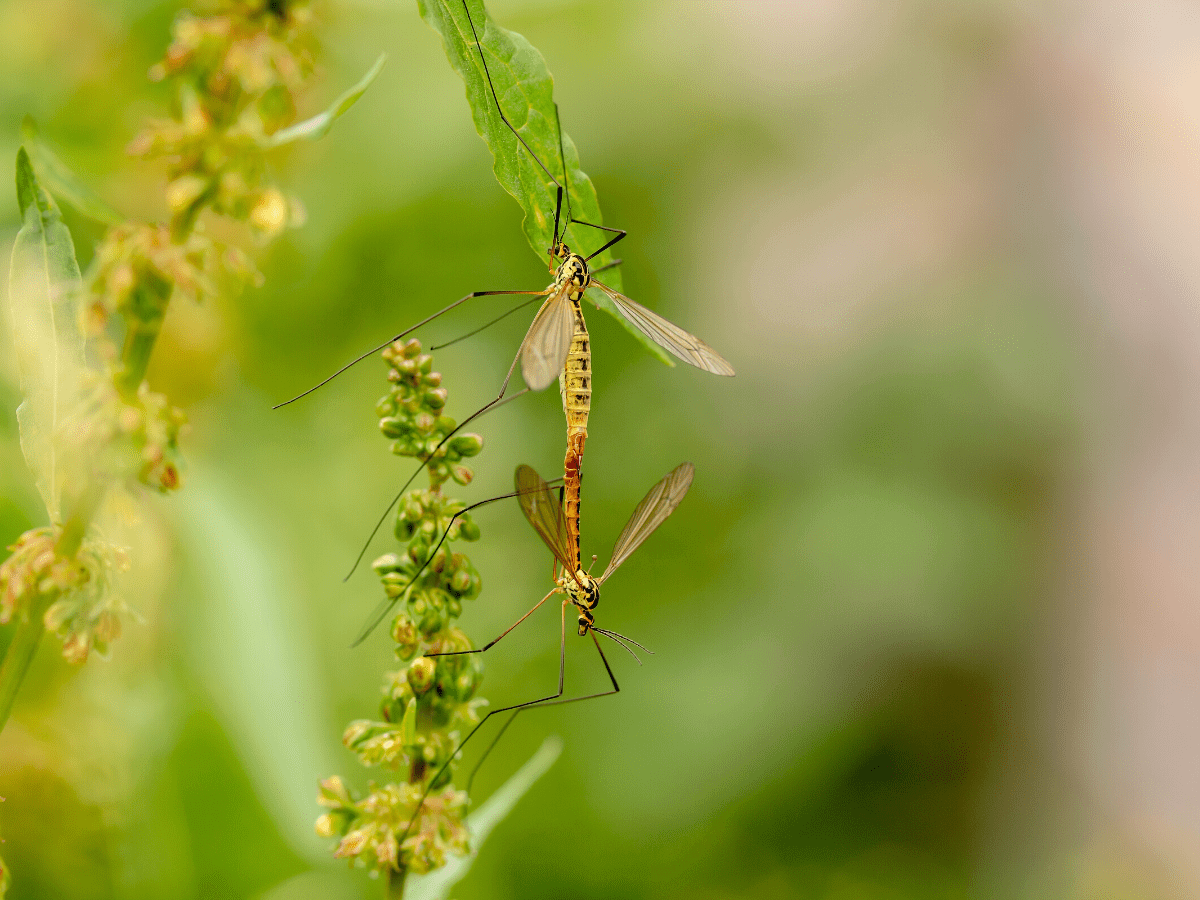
(83, 610)
(425, 704)
(236, 72)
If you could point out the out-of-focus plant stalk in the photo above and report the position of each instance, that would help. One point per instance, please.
(235, 74)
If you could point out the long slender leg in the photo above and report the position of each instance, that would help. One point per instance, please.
(492, 643)
(397, 337)
(400, 493)
(619, 232)
(499, 401)
(562, 155)
(542, 705)
(499, 109)
(562, 668)
(608, 265)
(385, 607)
(501, 317)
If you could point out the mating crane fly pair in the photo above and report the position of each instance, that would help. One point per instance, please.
(557, 342)
(557, 345)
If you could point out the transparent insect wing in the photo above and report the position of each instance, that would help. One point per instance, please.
(668, 335)
(544, 350)
(660, 501)
(544, 513)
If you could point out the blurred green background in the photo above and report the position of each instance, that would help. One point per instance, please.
(868, 678)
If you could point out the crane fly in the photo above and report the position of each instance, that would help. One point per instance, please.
(556, 343)
(578, 588)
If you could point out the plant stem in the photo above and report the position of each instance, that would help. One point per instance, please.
(20, 653)
(395, 884)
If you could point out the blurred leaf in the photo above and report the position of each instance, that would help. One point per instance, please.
(62, 181)
(408, 725)
(251, 651)
(42, 283)
(436, 885)
(5, 880)
(526, 91)
(318, 126)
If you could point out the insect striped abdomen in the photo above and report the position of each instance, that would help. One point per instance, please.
(575, 384)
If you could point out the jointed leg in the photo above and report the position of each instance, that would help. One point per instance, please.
(541, 704)
(492, 643)
(385, 607)
(397, 337)
(562, 667)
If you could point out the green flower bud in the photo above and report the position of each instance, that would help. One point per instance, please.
(394, 584)
(475, 587)
(467, 529)
(418, 549)
(420, 674)
(356, 731)
(461, 582)
(466, 444)
(333, 793)
(393, 427)
(404, 633)
(431, 620)
(435, 398)
(425, 363)
(462, 474)
(389, 562)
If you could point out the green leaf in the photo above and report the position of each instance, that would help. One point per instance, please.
(43, 286)
(437, 884)
(318, 126)
(249, 649)
(5, 880)
(61, 180)
(525, 89)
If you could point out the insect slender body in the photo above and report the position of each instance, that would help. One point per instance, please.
(575, 385)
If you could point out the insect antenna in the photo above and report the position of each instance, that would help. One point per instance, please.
(620, 640)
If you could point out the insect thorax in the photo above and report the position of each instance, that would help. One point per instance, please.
(582, 589)
(573, 271)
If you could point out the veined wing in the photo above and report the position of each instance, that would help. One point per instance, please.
(668, 335)
(544, 350)
(658, 503)
(544, 514)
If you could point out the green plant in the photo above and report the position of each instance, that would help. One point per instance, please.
(89, 421)
(426, 701)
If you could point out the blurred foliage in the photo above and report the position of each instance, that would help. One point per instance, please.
(845, 614)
